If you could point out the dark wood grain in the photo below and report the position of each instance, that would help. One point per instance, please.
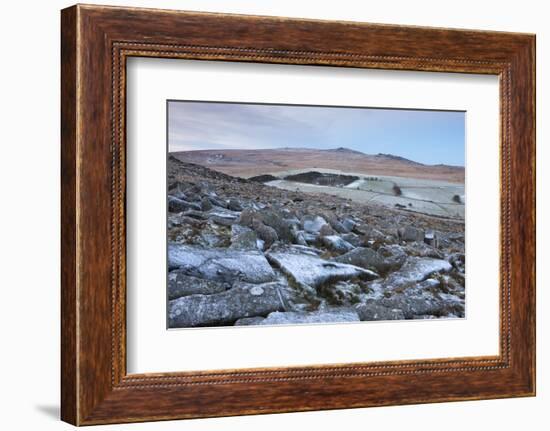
(69, 398)
(96, 41)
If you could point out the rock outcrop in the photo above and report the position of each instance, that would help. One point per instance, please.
(244, 253)
(181, 284)
(220, 264)
(308, 269)
(242, 300)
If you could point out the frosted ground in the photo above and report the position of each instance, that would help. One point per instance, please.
(432, 197)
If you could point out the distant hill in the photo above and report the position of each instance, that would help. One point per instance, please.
(343, 150)
(249, 163)
(391, 157)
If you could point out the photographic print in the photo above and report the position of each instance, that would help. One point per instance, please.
(296, 214)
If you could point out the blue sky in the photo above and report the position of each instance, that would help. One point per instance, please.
(429, 137)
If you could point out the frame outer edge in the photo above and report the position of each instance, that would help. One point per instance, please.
(523, 216)
(533, 54)
(87, 397)
(69, 195)
(532, 82)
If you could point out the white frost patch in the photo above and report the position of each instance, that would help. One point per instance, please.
(313, 224)
(249, 265)
(256, 291)
(227, 215)
(334, 242)
(311, 270)
(355, 184)
(418, 269)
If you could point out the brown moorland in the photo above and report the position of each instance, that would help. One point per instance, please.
(248, 163)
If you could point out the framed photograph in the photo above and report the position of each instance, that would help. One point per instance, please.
(263, 214)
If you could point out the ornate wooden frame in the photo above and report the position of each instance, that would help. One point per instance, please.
(95, 43)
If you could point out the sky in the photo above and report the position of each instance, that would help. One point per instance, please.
(429, 137)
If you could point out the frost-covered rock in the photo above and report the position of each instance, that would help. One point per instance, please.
(249, 321)
(310, 238)
(407, 279)
(177, 190)
(243, 237)
(456, 236)
(310, 270)
(326, 230)
(217, 201)
(394, 254)
(458, 260)
(410, 233)
(226, 213)
(337, 244)
(295, 248)
(425, 298)
(374, 234)
(181, 284)
(178, 205)
(431, 238)
(313, 224)
(373, 311)
(276, 219)
(423, 250)
(365, 258)
(266, 233)
(223, 217)
(342, 292)
(338, 226)
(299, 238)
(247, 217)
(246, 241)
(418, 269)
(221, 220)
(212, 239)
(185, 220)
(234, 205)
(417, 303)
(220, 264)
(199, 215)
(336, 315)
(206, 204)
(237, 229)
(348, 224)
(353, 239)
(243, 300)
